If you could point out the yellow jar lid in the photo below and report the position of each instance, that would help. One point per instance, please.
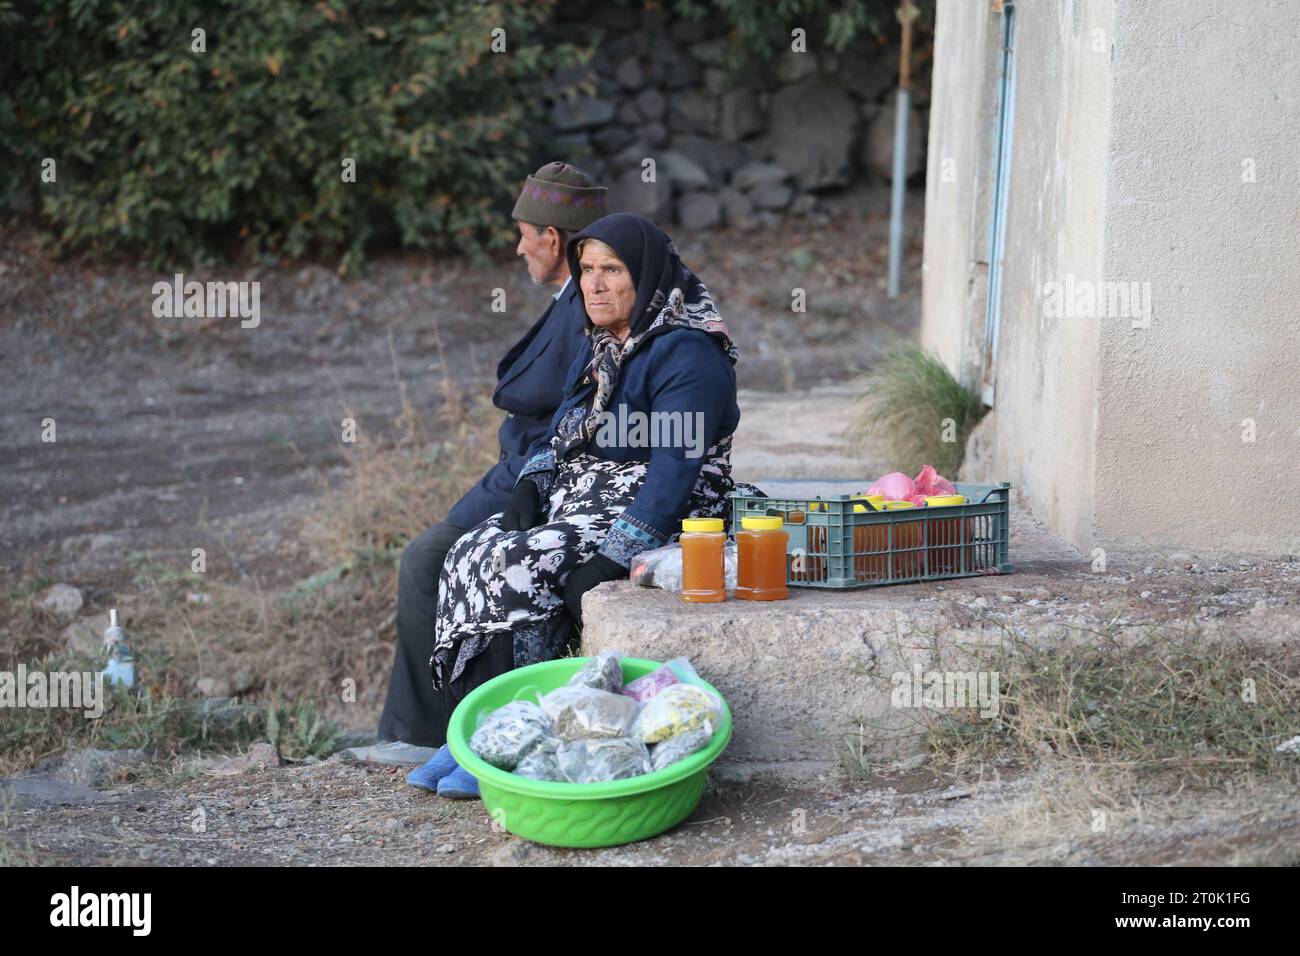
(761, 523)
(938, 501)
(702, 524)
(873, 498)
(897, 505)
(816, 506)
(861, 509)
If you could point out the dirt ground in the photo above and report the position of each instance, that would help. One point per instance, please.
(337, 813)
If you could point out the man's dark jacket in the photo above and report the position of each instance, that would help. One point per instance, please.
(530, 387)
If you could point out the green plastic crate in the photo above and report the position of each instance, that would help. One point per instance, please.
(833, 546)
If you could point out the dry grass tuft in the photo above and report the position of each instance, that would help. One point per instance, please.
(919, 410)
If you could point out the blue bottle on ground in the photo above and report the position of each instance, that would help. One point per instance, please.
(121, 665)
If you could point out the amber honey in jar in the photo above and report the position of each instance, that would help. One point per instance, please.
(704, 575)
(761, 547)
(866, 539)
(798, 565)
(815, 561)
(951, 548)
(904, 555)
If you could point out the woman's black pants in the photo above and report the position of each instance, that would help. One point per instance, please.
(414, 712)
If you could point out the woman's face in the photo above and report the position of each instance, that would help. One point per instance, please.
(607, 289)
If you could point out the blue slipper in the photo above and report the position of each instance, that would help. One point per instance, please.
(458, 785)
(439, 766)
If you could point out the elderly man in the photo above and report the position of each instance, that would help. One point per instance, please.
(556, 201)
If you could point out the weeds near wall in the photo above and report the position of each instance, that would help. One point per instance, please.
(919, 410)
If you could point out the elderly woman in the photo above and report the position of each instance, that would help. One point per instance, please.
(593, 494)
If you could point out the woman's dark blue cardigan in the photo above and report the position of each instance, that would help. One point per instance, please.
(681, 370)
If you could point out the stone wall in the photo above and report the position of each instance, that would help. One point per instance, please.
(738, 146)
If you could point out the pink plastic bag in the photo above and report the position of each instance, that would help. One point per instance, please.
(930, 482)
(643, 688)
(895, 486)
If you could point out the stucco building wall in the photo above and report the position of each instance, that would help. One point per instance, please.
(1132, 124)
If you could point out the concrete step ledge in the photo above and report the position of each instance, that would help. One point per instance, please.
(806, 679)
(810, 680)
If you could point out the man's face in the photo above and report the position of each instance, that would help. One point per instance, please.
(542, 250)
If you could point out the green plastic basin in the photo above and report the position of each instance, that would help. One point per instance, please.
(578, 814)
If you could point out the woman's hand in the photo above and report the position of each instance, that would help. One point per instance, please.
(585, 577)
(525, 507)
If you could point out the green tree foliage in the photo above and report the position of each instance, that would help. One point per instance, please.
(763, 28)
(186, 155)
